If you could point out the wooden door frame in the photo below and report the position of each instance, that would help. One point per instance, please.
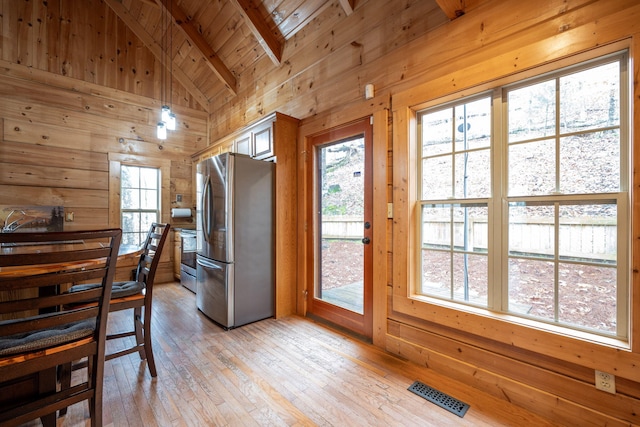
(382, 192)
(361, 324)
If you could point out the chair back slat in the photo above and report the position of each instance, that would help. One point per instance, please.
(69, 276)
(38, 302)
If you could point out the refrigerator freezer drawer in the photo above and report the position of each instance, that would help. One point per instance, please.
(214, 290)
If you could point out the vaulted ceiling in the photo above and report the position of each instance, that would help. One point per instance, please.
(206, 45)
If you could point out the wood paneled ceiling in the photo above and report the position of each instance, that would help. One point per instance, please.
(208, 44)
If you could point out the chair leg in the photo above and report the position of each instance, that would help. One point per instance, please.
(138, 327)
(48, 420)
(95, 402)
(64, 374)
(91, 380)
(146, 338)
(47, 380)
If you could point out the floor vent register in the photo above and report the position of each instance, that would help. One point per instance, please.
(439, 398)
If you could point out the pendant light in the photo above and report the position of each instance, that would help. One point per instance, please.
(171, 121)
(161, 131)
(164, 113)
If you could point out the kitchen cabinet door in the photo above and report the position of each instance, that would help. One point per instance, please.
(263, 146)
(243, 144)
(226, 147)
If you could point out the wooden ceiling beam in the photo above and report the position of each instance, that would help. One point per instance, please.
(260, 30)
(348, 6)
(192, 34)
(452, 8)
(123, 13)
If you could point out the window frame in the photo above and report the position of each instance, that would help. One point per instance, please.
(116, 160)
(505, 328)
(497, 287)
(141, 233)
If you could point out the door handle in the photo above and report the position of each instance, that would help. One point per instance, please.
(205, 213)
(208, 264)
(366, 240)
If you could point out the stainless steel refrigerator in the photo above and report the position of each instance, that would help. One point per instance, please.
(235, 239)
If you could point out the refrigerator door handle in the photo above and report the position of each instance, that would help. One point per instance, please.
(208, 264)
(205, 213)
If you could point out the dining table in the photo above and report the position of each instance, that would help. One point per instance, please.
(124, 252)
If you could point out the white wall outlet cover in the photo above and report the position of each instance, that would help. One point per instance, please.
(606, 382)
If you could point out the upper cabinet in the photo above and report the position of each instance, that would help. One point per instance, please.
(262, 146)
(225, 147)
(257, 140)
(242, 144)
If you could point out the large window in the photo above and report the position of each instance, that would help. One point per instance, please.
(524, 199)
(140, 202)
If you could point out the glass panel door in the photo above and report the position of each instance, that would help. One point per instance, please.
(340, 190)
(341, 223)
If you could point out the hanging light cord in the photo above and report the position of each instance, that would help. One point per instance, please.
(164, 65)
(167, 117)
(170, 53)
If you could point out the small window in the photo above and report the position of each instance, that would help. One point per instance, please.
(140, 202)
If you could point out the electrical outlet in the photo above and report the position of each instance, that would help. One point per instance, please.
(606, 382)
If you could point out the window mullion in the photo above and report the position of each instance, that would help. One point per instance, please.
(623, 271)
(624, 320)
(556, 261)
(497, 286)
(451, 252)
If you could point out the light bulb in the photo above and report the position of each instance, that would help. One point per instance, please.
(164, 113)
(161, 131)
(171, 123)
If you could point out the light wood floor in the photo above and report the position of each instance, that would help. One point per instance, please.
(286, 372)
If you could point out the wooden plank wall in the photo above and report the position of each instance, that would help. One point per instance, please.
(84, 41)
(54, 146)
(76, 85)
(327, 64)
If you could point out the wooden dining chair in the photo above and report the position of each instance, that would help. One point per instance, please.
(36, 336)
(136, 294)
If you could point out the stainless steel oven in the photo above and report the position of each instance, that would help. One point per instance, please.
(188, 259)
